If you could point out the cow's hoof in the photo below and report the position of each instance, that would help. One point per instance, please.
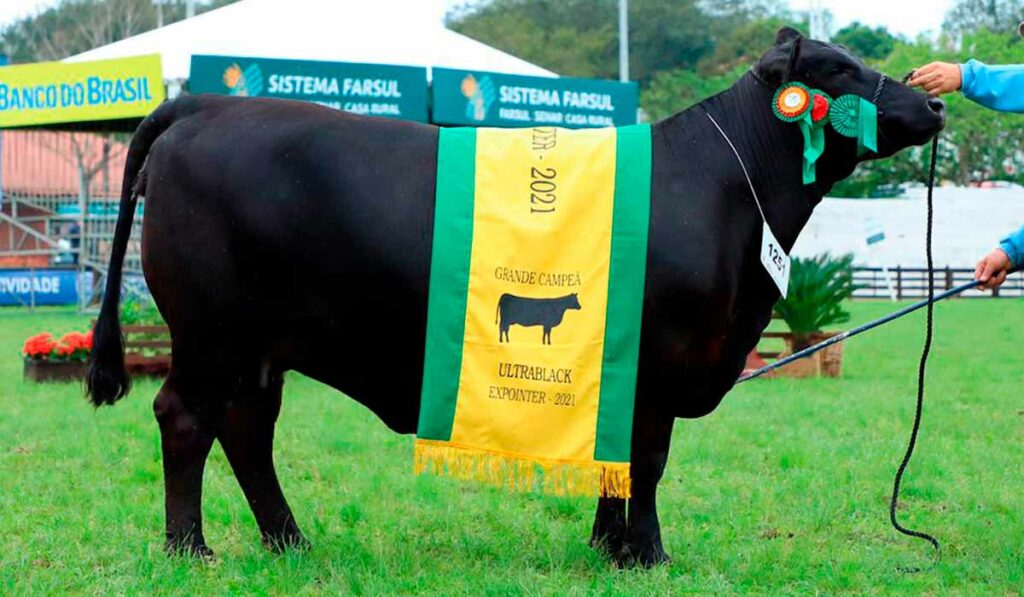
(289, 541)
(609, 530)
(609, 545)
(641, 556)
(188, 549)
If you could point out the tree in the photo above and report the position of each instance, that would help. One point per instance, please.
(997, 16)
(744, 10)
(666, 34)
(673, 91)
(75, 26)
(728, 15)
(570, 37)
(580, 37)
(865, 42)
(741, 46)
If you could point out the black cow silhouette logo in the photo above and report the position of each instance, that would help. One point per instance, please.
(529, 312)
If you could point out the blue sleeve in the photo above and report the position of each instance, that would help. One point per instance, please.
(1013, 246)
(997, 87)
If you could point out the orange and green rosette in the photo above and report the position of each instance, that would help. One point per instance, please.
(792, 101)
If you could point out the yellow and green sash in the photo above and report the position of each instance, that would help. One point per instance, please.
(533, 322)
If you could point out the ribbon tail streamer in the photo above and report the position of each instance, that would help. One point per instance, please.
(814, 147)
(867, 127)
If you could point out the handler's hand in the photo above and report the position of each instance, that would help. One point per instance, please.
(937, 78)
(992, 268)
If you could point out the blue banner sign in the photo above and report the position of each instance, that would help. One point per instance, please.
(477, 98)
(25, 287)
(368, 89)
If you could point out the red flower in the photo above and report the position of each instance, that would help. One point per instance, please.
(75, 345)
(39, 346)
(74, 341)
(821, 107)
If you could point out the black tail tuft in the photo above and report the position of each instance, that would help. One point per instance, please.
(107, 380)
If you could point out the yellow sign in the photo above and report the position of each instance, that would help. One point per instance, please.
(64, 92)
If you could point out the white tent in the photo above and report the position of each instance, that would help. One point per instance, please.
(400, 32)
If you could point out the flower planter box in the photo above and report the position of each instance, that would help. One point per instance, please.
(147, 350)
(801, 368)
(831, 358)
(44, 370)
(825, 363)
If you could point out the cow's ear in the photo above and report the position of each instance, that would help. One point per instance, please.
(772, 66)
(786, 35)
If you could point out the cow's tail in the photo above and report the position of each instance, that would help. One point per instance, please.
(107, 380)
(497, 310)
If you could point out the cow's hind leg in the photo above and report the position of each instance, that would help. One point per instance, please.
(247, 435)
(609, 526)
(186, 433)
(652, 433)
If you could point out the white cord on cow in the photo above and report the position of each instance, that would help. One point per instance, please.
(740, 160)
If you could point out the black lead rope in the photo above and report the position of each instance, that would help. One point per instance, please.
(922, 368)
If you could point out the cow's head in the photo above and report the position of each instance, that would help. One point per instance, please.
(905, 117)
(574, 301)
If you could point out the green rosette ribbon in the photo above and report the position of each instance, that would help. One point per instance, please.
(855, 117)
(814, 135)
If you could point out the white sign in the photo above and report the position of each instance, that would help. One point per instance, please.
(775, 260)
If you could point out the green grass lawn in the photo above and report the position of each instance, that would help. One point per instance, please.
(783, 490)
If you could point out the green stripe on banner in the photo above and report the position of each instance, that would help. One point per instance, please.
(449, 281)
(628, 271)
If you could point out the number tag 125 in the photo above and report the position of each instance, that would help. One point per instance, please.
(775, 260)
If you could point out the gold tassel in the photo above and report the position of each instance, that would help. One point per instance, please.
(519, 473)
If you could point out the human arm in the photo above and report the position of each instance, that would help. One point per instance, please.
(999, 87)
(992, 269)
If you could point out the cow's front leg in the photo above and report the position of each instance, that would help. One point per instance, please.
(652, 433)
(609, 526)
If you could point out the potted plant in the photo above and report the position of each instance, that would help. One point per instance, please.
(818, 287)
(136, 310)
(48, 359)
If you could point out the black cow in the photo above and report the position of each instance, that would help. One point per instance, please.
(528, 312)
(250, 201)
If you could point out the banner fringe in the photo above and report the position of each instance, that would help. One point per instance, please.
(523, 473)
